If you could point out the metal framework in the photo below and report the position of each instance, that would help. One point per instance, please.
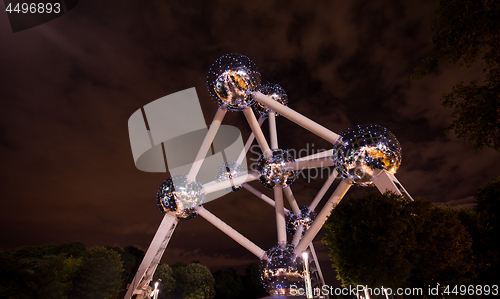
(304, 234)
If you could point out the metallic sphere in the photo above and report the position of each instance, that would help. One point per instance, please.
(231, 81)
(305, 218)
(273, 170)
(229, 170)
(275, 92)
(366, 149)
(281, 270)
(180, 195)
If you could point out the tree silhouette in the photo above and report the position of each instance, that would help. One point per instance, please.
(228, 284)
(99, 276)
(388, 240)
(467, 31)
(167, 284)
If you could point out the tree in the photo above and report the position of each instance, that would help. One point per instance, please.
(44, 271)
(201, 281)
(376, 239)
(228, 284)
(446, 257)
(99, 276)
(131, 258)
(486, 231)
(74, 249)
(15, 281)
(49, 284)
(467, 31)
(252, 284)
(388, 240)
(167, 284)
(193, 281)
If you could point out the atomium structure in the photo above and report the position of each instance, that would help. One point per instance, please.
(367, 155)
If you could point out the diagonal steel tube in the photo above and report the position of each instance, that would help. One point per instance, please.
(297, 118)
(231, 232)
(313, 230)
(259, 136)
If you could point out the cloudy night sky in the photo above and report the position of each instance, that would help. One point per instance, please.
(69, 86)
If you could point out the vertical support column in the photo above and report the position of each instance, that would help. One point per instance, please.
(307, 277)
(280, 214)
(316, 274)
(273, 134)
(140, 283)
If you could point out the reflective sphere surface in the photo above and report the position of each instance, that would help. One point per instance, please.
(273, 170)
(281, 270)
(364, 150)
(229, 170)
(275, 92)
(231, 81)
(305, 218)
(178, 194)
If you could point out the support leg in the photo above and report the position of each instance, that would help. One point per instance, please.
(273, 134)
(280, 214)
(140, 283)
(316, 274)
(388, 182)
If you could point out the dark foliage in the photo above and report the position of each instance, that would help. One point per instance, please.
(467, 31)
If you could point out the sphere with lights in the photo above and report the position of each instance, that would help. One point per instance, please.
(275, 92)
(366, 149)
(281, 270)
(305, 219)
(231, 81)
(229, 170)
(180, 195)
(273, 170)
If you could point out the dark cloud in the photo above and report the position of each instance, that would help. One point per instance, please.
(70, 85)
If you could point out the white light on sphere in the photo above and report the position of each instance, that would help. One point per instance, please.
(180, 195)
(231, 81)
(366, 149)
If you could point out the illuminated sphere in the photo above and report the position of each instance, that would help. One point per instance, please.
(229, 170)
(273, 170)
(275, 92)
(231, 81)
(281, 270)
(305, 218)
(178, 194)
(364, 150)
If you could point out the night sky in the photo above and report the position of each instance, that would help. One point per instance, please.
(69, 86)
